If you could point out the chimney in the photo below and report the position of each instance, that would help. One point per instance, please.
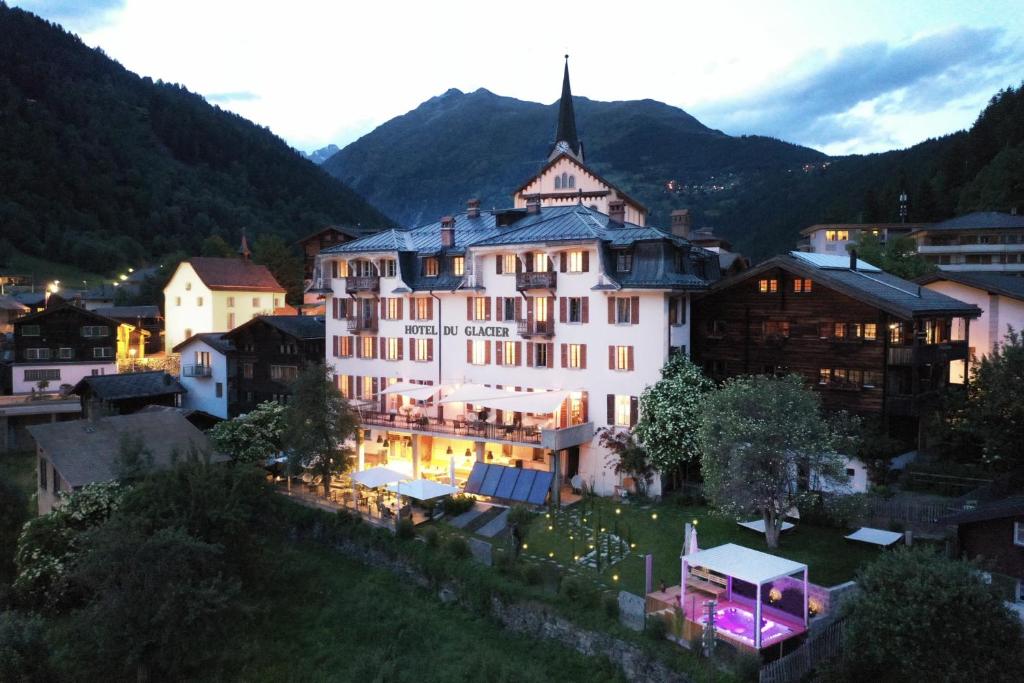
(447, 232)
(617, 211)
(473, 208)
(533, 205)
(853, 259)
(682, 221)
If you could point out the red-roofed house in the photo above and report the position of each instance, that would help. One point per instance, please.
(208, 294)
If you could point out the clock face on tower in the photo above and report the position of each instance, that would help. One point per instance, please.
(563, 146)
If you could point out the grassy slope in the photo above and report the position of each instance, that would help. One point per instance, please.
(328, 618)
(19, 467)
(43, 271)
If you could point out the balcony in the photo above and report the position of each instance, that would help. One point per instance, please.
(477, 430)
(536, 328)
(543, 280)
(357, 325)
(362, 283)
(930, 353)
(196, 371)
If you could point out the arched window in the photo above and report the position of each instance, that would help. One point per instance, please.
(572, 181)
(565, 180)
(558, 182)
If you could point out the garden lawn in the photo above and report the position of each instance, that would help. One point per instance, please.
(326, 618)
(658, 529)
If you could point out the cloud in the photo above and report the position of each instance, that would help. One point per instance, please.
(75, 15)
(235, 96)
(825, 101)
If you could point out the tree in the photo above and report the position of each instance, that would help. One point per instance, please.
(13, 514)
(214, 245)
(320, 420)
(254, 436)
(286, 266)
(627, 457)
(897, 256)
(24, 650)
(670, 414)
(761, 437)
(994, 412)
(898, 624)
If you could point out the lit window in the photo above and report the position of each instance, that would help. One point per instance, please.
(540, 263)
(367, 387)
(870, 331)
(430, 267)
(458, 265)
(423, 309)
(776, 328)
(768, 286)
(576, 356)
(509, 262)
(824, 375)
(391, 309)
(345, 346)
(480, 308)
(387, 267)
(422, 350)
(622, 354)
(839, 375)
(575, 261)
(802, 285)
(368, 344)
(623, 311)
(623, 411)
(895, 333)
(843, 235)
(839, 330)
(480, 352)
(393, 348)
(343, 385)
(508, 353)
(856, 377)
(540, 309)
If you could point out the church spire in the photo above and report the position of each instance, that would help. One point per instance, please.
(243, 250)
(566, 139)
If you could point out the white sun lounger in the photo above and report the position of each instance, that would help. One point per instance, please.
(758, 525)
(875, 536)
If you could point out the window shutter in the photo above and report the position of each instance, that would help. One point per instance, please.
(519, 353)
(519, 308)
(401, 349)
(583, 356)
(519, 265)
(487, 353)
(631, 365)
(469, 350)
(334, 308)
(351, 379)
(634, 411)
(551, 312)
(586, 309)
(551, 355)
(334, 269)
(376, 387)
(585, 407)
(611, 409)
(611, 310)
(499, 416)
(634, 302)
(611, 357)
(430, 349)
(561, 309)
(565, 355)
(586, 261)
(528, 257)
(383, 308)
(469, 308)
(487, 307)
(430, 309)
(382, 398)
(497, 264)
(383, 347)
(499, 353)
(499, 315)
(529, 354)
(401, 301)
(529, 312)
(563, 262)
(412, 349)
(335, 346)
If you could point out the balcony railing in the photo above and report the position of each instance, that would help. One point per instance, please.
(362, 324)
(536, 328)
(929, 353)
(362, 283)
(482, 431)
(196, 371)
(541, 280)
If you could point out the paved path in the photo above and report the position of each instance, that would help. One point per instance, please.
(495, 526)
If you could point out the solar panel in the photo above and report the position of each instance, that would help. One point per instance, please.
(507, 483)
(833, 261)
(491, 480)
(523, 485)
(539, 490)
(476, 477)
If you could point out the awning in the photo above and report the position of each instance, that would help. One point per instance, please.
(758, 525)
(514, 401)
(378, 476)
(744, 563)
(417, 392)
(875, 536)
(473, 393)
(422, 489)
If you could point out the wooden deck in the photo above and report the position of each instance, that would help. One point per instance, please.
(317, 501)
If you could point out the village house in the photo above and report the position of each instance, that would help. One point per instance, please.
(207, 365)
(990, 241)
(128, 392)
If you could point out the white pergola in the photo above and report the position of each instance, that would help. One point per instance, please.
(745, 564)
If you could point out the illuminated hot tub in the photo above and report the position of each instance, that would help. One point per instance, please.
(737, 623)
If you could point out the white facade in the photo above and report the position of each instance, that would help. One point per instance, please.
(25, 376)
(191, 307)
(204, 374)
(834, 239)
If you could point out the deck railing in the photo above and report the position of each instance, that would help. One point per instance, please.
(482, 431)
(540, 280)
(362, 283)
(535, 328)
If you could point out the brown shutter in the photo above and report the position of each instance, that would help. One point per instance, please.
(430, 349)
(634, 411)
(529, 312)
(551, 355)
(631, 365)
(497, 264)
(611, 357)
(469, 350)
(529, 354)
(586, 309)
(611, 409)
(469, 308)
(528, 257)
(499, 353)
(487, 353)
(564, 262)
(383, 347)
(634, 302)
(583, 356)
(519, 308)
(383, 308)
(519, 353)
(499, 314)
(611, 310)
(401, 301)
(561, 308)
(376, 386)
(412, 349)
(487, 308)
(401, 348)
(519, 265)
(335, 346)
(565, 355)
(585, 407)
(551, 313)
(586, 261)
(430, 308)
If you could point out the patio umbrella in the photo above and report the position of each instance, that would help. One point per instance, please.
(693, 540)
(451, 471)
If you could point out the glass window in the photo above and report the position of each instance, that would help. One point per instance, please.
(540, 355)
(422, 350)
(776, 328)
(247, 370)
(458, 265)
(768, 285)
(575, 309)
(623, 411)
(430, 266)
(839, 330)
(369, 344)
(65, 353)
(623, 311)
(199, 301)
(37, 354)
(231, 302)
(508, 353)
(622, 357)
(387, 267)
(575, 261)
(509, 262)
(802, 285)
(540, 309)
(391, 308)
(30, 330)
(103, 352)
(177, 301)
(624, 262)
(508, 308)
(872, 378)
(423, 308)
(283, 373)
(392, 347)
(540, 263)
(367, 384)
(824, 375)
(480, 308)
(870, 331)
(576, 356)
(255, 302)
(480, 351)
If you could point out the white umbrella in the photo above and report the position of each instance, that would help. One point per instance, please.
(422, 489)
(378, 476)
(693, 540)
(451, 471)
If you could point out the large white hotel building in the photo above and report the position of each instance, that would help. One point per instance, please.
(511, 336)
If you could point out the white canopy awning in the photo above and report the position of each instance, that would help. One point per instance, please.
(417, 392)
(514, 401)
(743, 563)
(378, 476)
(422, 489)
(473, 393)
(880, 537)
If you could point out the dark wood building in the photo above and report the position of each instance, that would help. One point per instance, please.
(870, 342)
(312, 245)
(147, 321)
(270, 351)
(127, 393)
(994, 535)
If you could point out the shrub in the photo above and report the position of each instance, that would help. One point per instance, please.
(533, 575)
(405, 529)
(456, 505)
(579, 591)
(23, 648)
(610, 602)
(656, 629)
(457, 547)
(521, 516)
(505, 563)
(432, 538)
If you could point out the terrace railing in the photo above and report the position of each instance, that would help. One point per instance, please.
(482, 431)
(539, 280)
(535, 328)
(362, 283)
(196, 371)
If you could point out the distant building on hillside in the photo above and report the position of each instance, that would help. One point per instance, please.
(10, 309)
(982, 241)
(833, 238)
(208, 294)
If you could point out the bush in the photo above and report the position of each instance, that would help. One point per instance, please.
(610, 602)
(505, 563)
(432, 538)
(405, 529)
(457, 547)
(836, 511)
(579, 591)
(456, 505)
(521, 516)
(533, 575)
(656, 629)
(24, 652)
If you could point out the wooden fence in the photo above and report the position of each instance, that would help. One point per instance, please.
(798, 663)
(911, 511)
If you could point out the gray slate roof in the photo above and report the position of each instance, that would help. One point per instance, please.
(298, 326)
(1008, 507)
(214, 339)
(996, 283)
(979, 220)
(129, 312)
(85, 451)
(130, 385)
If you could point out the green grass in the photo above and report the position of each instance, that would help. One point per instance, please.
(658, 529)
(43, 271)
(325, 618)
(19, 467)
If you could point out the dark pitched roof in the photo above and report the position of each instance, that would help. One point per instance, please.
(899, 297)
(85, 451)
(92, 315)
(8, 303)
(351, 233)
(297, 326)
(566, 129)
(213, 339)
(995, 283)
(1010, 507)
(130, 385)
(234, 274)
(129, 312)
(979, 220)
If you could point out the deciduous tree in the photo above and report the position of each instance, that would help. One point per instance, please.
(254, 436)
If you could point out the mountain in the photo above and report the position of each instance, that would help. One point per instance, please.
(757, 191)
(102, 168)
(323, 154)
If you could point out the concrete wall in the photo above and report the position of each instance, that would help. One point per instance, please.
(202, 391)
(70, 373)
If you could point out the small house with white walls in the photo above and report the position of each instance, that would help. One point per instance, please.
(206, 366)
(208, 294)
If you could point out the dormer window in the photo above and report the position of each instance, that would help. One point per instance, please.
(430, 266)
(387, 267)
(458, 265)
(624, 262)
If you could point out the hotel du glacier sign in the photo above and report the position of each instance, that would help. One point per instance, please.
(453, 330)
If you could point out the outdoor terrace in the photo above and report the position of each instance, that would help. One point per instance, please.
(480, 430)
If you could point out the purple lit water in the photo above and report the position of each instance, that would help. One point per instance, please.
(738, 623)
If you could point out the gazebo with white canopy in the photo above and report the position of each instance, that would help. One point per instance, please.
(734, 563)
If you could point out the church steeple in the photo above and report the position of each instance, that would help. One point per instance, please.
(566, 139)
